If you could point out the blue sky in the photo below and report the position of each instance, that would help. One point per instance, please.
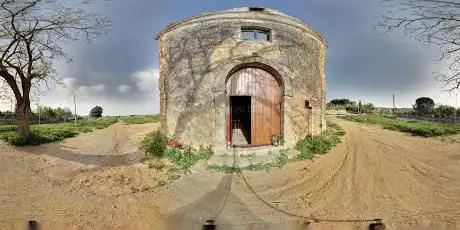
(119, 71)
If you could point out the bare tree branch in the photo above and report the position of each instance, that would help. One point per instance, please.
(32, 36)
(430, 21)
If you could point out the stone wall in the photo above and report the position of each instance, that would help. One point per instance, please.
(197, 55)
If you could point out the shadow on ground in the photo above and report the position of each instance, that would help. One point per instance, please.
(227, 210)
(99, 160)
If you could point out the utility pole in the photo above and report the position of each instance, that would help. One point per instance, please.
(393, 111)
(456, 107)
(74, 109)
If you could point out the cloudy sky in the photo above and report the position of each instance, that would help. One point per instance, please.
(119, 71)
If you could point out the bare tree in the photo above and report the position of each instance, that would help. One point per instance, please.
(32, 36)
(434, 22)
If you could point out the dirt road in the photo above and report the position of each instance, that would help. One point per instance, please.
(93, 182)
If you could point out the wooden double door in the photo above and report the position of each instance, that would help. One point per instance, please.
(259, 92)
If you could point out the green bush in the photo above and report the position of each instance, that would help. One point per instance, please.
(184, 159)
(13, 138)
(320, 144)
(6, 128)
(310, 146)
(155, 144)
(51, 134)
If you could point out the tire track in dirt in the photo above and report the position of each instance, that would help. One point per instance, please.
(372, 173)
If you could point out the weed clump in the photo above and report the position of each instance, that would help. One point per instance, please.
(182, 157)
(155, 144)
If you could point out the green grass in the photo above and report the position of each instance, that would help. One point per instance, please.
(140, 119)
(155, 145)
(307, 147)
(46, 133)
(419, 128)
(185, 159)
(320, 144)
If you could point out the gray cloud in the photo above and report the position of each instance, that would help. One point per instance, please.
(118, 70)
(375, 64)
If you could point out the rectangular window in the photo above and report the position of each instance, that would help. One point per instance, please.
(247, 35)
(255, 34)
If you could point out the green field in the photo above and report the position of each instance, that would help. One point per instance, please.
(419, 128)
(140, 119)
(46, 133)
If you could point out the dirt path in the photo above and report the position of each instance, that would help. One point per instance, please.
(373, 173)
(93, 181)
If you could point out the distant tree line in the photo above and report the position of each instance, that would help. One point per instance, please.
(45, 114)
(56, 114)
(424, 106)
(351, 106)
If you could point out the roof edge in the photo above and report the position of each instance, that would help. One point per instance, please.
(174, 25)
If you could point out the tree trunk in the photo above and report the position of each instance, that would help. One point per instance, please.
(22, 112)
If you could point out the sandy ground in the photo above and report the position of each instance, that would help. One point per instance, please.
(94, 181)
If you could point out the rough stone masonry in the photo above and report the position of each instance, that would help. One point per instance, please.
(198, 54)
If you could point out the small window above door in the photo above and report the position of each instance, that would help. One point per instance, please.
(255, 34)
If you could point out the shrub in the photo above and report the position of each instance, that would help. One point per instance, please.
(54, 133)
(310, 146)
(155, 144)
(184, 159)
(5, 128)
(13, 138)
(321, 144)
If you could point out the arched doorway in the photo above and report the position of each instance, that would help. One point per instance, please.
(254, 107)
